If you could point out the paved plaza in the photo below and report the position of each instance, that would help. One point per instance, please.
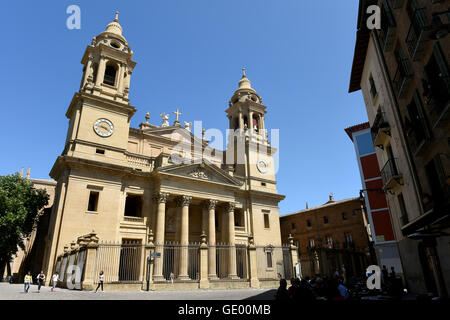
(15, 292)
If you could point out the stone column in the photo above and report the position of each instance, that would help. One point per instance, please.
(184, 202)
(294, 254)
(100, 71)
(250, 121)
(120, 78)
(241, 121)
(147, 272)
(232, 273)
(160, 198)
(204, 282)
(91, 254)
(253, 268)
(210, 205)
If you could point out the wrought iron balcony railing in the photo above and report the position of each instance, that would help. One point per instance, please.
(379, 124)
(390, 174)
(402, 78)
(388, 26)
(417, 34)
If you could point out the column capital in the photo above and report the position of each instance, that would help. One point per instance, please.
(183, 201)
(210, 204)
(160, 197)
(229, 206)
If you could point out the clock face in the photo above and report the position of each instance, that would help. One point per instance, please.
(262, 166)
(103, 127)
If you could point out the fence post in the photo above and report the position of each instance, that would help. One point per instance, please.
(204, 281)
(253, 268)
(91, 256)
(294, 254)
(149, 248)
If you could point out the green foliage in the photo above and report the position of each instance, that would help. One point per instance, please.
(20, 205)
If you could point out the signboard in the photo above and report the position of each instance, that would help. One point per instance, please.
(155, 255)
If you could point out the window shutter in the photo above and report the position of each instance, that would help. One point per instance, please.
(421, 114)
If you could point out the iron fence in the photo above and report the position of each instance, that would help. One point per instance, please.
(120, 262)
(173, 252)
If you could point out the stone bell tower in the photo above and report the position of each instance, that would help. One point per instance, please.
(248, 140)
(108, 65)
(100, 111)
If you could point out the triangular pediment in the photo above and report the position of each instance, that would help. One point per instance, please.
(204, 171)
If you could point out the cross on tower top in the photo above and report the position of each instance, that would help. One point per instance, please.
(177, 113)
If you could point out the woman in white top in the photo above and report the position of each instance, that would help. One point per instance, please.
(55, 279)
(100, 281)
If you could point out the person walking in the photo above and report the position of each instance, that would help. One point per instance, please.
(40, 280)
(55, 279)
(100, 281)
(27, 280)
(282, 293)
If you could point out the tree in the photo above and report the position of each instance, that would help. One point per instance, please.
(20, 207)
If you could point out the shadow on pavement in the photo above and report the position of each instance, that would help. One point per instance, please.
(268, 295)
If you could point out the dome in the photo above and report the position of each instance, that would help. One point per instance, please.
(114, 26)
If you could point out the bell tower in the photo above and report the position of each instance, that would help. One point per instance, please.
(100, 112)
(108, 64)
(248, 145)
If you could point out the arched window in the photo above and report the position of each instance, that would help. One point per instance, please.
(110, 75)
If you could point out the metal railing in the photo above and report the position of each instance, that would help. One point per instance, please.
(173, 252)
(120, 262)
(415, 33)
(378, 124)
(388, 26)
(402, 77)
(389, 171)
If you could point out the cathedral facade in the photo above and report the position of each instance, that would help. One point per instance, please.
(161, 183)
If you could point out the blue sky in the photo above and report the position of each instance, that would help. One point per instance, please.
(189, 55)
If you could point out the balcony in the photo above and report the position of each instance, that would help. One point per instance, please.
(381, 130)
(417, 35)
(402, 78)
(388, 27)
(130, 219)
(390, 175)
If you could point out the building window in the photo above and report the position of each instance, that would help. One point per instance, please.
(437, 182)
(133, 206)
(100, 151)
(348, 238)
(416, 126)
(344, 215)
(238, 218)
(329, 241)
(110, 75)
(308, 223)
(293, 226)
(401, 203)
(93, 201)
(373, 88)
(269, 259)
(325, 219)
(266, 221)
(436, 83)
(311, 243)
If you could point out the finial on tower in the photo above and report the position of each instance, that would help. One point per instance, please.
(116, 19)
(147, 117)
(243, 73)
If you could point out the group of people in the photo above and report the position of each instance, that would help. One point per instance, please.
(40, 279)
(316, 289)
